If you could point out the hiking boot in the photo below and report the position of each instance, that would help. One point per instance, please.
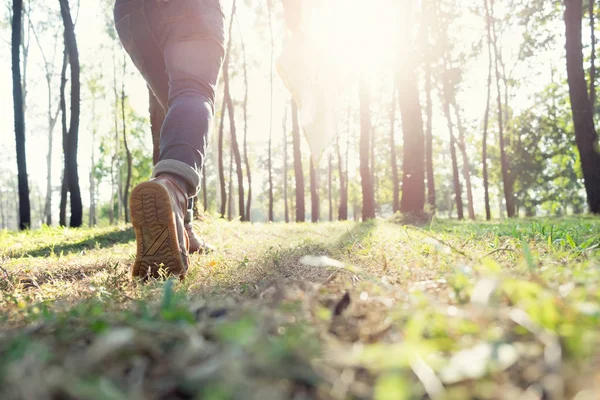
(197, 244)
(157, 208)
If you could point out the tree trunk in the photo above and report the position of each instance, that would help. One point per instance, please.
(299, 174)
(19, 117)
(115, 167)
(64, 188)
(230, 203)
(238, 159)
(428, 108)
(503, 157)
(246, 158)
(486, 120)
(157, 117)
(92, 216)
(413, 168)
(393, 156)
(221, 125)
(466, 170)
(446, 106)
(592, 55)
(372, 166)
(204, 189)
(220, 163)
(329, 187)
(235, 148)
(126, 145)
(583, 118)
(270, 161)
(343, 209)
(314, 193)
(365, 172)
(73, 134)
(285, 168)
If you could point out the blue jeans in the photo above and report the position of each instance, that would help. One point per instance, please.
(177, 45)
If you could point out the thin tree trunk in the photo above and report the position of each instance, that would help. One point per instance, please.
(503, 157)
(365, 173)
(52, 119)
(343, 209)
(64, 188)
(314, 193)
(466, 170)
(285, 168)
(204, 189)
(393, 156)
(234, 142)
(126, 145)
(428, 109)
(585, 133)
(115, 162)
(329, 187)
(270, 161)
(19, 117)
(455, 174)
(230, 204)
(222, 123)
(592, 55)
(372, 167)
(92, 215)
(484, 157)
(299, 173)
(246, 157)
(220, 163)
(157, 117)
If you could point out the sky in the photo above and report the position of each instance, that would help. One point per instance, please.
(348, 49)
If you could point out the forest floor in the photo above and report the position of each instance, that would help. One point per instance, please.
(448, 310)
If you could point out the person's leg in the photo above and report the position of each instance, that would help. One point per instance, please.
(183, 38)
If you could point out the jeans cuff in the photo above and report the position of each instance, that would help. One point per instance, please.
(183, 171)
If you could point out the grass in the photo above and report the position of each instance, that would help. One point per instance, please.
(500, 310)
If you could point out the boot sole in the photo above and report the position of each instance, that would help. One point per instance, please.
(153, 220)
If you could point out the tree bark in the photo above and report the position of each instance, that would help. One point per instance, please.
(157, 117)
(222, 184)
(365, 170)
(455, 174)
(270, 161)
(19, 117)
(285, 168)
(393, 156)
(231, 112)
(314, 193)
(503, 157)
(73, 134)
(466, 168)
(126, 145)
(329, 187)
(428, 109)
(64, 188)
(343, 208)
(246, 157)
(486, 119)
(583, 118)
(298, 172)
(592, 55)
(413, 168)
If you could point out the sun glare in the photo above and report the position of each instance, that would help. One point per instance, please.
(356, 36)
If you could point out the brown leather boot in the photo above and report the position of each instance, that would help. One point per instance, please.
(197, 244)
(158, 207)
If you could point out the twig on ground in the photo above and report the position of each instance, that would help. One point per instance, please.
(497, 251)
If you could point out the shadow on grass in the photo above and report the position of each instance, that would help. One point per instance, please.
(92, 242)
(283, 262)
